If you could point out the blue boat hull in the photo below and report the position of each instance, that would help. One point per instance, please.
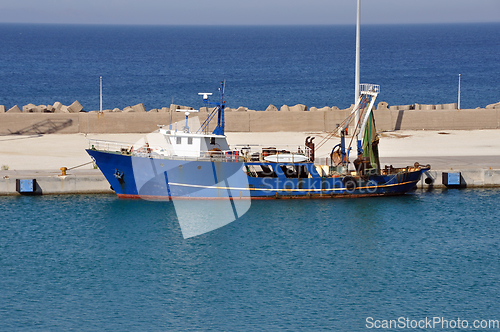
(151, 178)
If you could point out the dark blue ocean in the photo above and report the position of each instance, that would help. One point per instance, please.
(312, 65)
(99, 263)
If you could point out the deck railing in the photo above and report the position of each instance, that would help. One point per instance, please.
(109, 146)
(242, 153)
(369, 88)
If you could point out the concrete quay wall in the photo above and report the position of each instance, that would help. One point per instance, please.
(246, 121)
(88, 182)
(93, 182)
(470, 178)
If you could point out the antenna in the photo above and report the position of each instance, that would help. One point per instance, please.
(170, 125)
(187, 113)
(205, 95)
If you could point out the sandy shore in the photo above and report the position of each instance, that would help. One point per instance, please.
(443, 150)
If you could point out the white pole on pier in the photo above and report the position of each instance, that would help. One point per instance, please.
(100, 95)
(459, 78)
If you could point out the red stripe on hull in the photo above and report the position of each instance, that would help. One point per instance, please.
(164, 198)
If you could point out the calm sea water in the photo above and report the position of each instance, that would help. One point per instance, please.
(98, 263)
(313, 65)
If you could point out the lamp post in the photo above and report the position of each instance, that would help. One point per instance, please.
(100, 96)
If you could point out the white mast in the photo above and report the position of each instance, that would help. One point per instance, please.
(356, 77)
(358, 43)
(459, 77)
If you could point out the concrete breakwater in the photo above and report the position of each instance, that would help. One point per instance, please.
(76, 107)
(135, 119)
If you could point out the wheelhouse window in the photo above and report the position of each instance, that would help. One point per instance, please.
(178, 140)
(295, 171)
(260, 171)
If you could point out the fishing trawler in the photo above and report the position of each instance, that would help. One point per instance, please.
(196, 163)
(199, 164)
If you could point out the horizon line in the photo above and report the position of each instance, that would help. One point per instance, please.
(245, 25)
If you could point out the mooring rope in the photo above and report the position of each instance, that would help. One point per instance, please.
(90, 162)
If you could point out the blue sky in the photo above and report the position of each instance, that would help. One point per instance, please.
(250, 12)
